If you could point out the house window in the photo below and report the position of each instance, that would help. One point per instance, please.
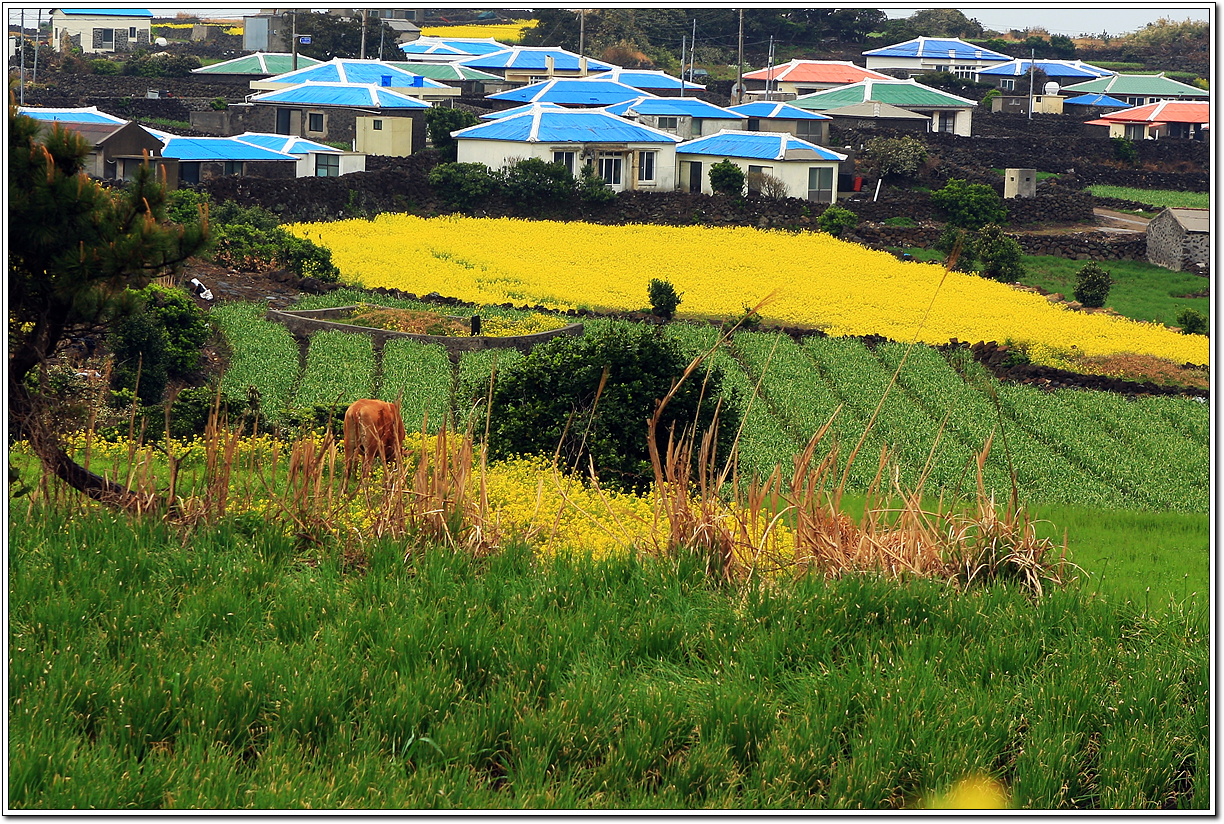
(1136, 131)
(189, 173)
(233, 167)
(668, 122)
(754, 124)
(944, 121)
(131, 32)
(315, 123)
(755, 173)
(1007, 85)
(566, 159)
(610, 169)
(808, 130)
(646, 167)
(965, 72)
(327, 165)
(1135, 101)
(108, 38)
(820, 184)
(378, 125)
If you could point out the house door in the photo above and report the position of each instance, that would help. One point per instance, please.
(282, 121)
(695, 176)
(947, 121)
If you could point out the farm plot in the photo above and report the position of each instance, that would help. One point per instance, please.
(472, 387)
(339, 370)
(265, 356)
(420, 375)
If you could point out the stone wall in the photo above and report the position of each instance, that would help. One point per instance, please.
(1077, 246)
(1171, 246)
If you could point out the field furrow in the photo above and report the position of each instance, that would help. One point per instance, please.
(420, 375)
(339, 370)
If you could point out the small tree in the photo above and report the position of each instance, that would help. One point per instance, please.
(1092, 285)
(440, 122)
(1124, 150)
(592, 188)
(727, 179)
(663, 298)
(538, 184)
(894, 157)
(1193, 322)
(836, 220)
(962, 243)
(969, 205)
(999, 254)
(463, 185)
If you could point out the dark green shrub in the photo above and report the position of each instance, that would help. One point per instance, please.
(727, 179)
(140, 347)
(463, 185)
(988, 99)
(183, 206)
(1092, 285)
(104, 66)
(593, 189)
(161, 64)
(190, 410)
(186, 326)
(961, 242)
(1124, 150)
(244, 246)
(1193, 322)
(546, 402)
(440, 122)
(969, 205)
(894, 157)
(836, 220)
(218, 104)
(663, 298)
(999, 254)
(538, 184)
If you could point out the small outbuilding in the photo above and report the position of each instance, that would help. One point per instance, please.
(1180, 239)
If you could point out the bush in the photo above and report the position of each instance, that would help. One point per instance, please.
(440, 122)
(727, 179)
(140, 347)
(969, 205)
(545, 403)
(1193, 322)
(538, 184)
(836, 220)
(988, 98)
(1092, 285)
(161, 64)
(245, 246)
(950, 240)
(218, 104)
(999, 254)
(463, 185)
(1124, 150)
(104, 66)
(663, 298)
(186, 326)
(894, 157)
(767, 186)
(593, 189)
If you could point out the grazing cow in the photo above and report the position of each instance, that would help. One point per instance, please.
(372, 428)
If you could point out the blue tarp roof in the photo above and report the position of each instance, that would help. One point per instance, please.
(571, 91)
(641, 79)
(521, 109)
(685, 106)
(285, 143)
(341, 94)
(1102, 100)
(529, 58)
(83, 115)
(452, 45)
(1053, 68)
(545, 125)
(932, 47)
(109, 12)
(756, 145)
(357, 71)
(767, 109)
(216, 148)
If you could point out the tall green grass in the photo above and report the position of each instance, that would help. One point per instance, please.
(1154, 197)
(231, 667)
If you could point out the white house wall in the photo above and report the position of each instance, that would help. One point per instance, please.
(497, 154)
(794, 173)
(70, 26)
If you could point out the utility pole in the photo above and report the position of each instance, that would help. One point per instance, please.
(382, 35)
(22, 75)
(739, 69)
(364, 12)
(294, 13)
(37, 35)
(1032, 74)
(683, 56)
(769, 78)
(581, 31)
(693, 53)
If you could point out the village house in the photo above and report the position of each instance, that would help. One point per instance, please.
(101, 31)
(685, 117)
(570, 92)
(766, 116)
(660, 84)
(799, 77)
(1168, 119)
(923, 55)
(1139, 89)
(946, 112)
(362, 72)
(1180, 239)
(800, 169)
(1013, 75)
(523, 65)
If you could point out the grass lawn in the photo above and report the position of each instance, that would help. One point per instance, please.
(1156, 197)
(1040, 175)
(1141, 290)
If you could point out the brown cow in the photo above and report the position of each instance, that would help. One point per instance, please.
(372, 428)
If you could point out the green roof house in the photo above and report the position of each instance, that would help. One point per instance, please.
(254, 66)
(947, 112)
(1139, 89)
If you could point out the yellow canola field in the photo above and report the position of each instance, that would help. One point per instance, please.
(817, 280)
(502, 32)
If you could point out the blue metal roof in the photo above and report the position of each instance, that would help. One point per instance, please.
(521, 110)
(544, 125)
(288, 144)
(571, 91)
(527, 58)
(937, 47)
(353, 95)
(642, 79)
(452, 45)
(357, 71)
(1076, 69)
(1102, 100)
(217, 148)
(754, 145)
(685, 106)
(108, 12)
(84, 115)
(769, 109)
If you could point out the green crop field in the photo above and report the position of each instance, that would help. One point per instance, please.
(1155, 197)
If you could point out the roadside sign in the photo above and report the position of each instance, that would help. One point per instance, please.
(304, 40)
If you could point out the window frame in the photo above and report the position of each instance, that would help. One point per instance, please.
(131, 32)
(232, 167)
(647, 167)
(310, 119)
(328, 163)
(613, 173)
(106, 42)
(568, 158)
(377, 125)
(666, 122)
(821, 172)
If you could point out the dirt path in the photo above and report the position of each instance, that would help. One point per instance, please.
(1120, 222)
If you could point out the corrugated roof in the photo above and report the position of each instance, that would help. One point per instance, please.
(1076, 69)
(767, 109)
(1137, 84)
(370, 72)
(756, 145)
(530, 107)
(218, 148)
(352, 95)
(1103, 101)
(546, 125)
(875, 109)
(816, 71)
(1193, 220)
(95, 133)
(642, 79)
(681, 106)
(1166, 111)
(287, 144)
(445, 71)
(86, 114)
(937, 47)
(572, 91)
(532, 58)
(453, 45)
(258, 63)
(107, 12)
(908, 94)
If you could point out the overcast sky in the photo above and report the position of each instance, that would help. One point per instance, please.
(1057, 18)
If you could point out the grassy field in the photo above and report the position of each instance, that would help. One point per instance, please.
(231, 667)
(1155, 197)
(1141, 290)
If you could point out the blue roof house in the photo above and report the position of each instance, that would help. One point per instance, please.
(361, 72)
(934, 54)
(772, 116)
(449, 49)
(651, 82)
(80, 114)
(685, 117)
(337, 112)
(775, 164)
(203, 158)
(570, 92)
(314, 159)
(1013, 75)
(101, 31)
(522, 65)
(629, 156)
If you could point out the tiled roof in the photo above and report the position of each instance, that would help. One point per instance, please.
(572, 91)
(937, 47)
(258, 63)
(907, 94)
(217, 148)
(1137, 84)
(87, 114)
(641, 79)
(1193, 220)
(355, 95)
(369, 72)
(757, 145)
(1070, 69)
(1167, 111)
(816, 71)
(545, 125)
(528, 58)
(769, 109)
(288, 144)
(682, 106)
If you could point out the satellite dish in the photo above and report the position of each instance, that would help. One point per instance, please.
(1051, 88)
(736, 90)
